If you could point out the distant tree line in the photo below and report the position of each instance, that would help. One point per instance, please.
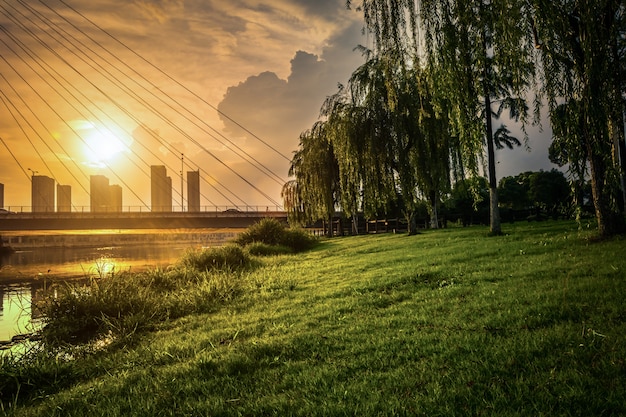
(528, 196)
(417, 122)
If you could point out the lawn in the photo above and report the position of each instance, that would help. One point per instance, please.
(445, 323)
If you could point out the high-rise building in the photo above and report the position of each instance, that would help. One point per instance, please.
(104, 197)
(99, 193)
(115, 198)
(42, 194)
(193, 191)
(160, 189)
(64, 198)
(167, 206)
(1, 195)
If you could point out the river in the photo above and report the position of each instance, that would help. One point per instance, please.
(42, 259)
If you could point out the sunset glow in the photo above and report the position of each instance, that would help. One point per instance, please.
(102, 146)
(230, 87)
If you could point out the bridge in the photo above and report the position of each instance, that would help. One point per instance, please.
(135, 220)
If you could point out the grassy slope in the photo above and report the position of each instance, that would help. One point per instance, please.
(446, 323)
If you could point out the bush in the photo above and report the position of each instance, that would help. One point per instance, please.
(273, 233)
(35, 373)
(226, 258)
(299, 240)
(268, 231)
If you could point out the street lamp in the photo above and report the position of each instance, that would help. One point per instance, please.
(182, 167)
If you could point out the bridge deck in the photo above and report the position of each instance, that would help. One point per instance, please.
(134, 220)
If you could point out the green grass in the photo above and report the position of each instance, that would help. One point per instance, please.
(445, 323)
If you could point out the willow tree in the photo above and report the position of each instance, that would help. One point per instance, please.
(475, 49)
(481, 46)
(431, 146)
(568, 148)
(293, 203)
(582, 46)
(360, 128)
(388, 138)
(317, 175)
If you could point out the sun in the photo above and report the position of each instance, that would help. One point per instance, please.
(103, 145)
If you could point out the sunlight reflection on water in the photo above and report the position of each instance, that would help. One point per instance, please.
(15, 311)
(25, 273)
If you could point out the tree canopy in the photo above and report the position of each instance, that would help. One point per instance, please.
(582, 45)
(422, 107)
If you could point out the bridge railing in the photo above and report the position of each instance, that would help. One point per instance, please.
(143, 209)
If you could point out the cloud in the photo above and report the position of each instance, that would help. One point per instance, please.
(282, 108)
(272, 106)
(160, 10)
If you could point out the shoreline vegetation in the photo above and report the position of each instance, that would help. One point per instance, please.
(90, 239)
(447, 322)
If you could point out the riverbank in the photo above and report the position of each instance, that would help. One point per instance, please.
(448, 322)
(21, 240)
(5, 249)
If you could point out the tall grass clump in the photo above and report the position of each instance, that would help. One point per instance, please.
(35, 373)
(81, 313)
(121, 305)
(226, 258)
(273, 233)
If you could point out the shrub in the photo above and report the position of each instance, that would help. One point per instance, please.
(299, 240)
(272, 232)
(268, 231)
(36, 372)
(123, 304)
(226, 258)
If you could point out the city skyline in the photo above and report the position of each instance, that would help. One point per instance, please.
(106, 197)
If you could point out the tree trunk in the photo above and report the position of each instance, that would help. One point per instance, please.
(610, 222)
(615, 119)
(434, 214)
(495, 227)
(411, 224)
(330, 226)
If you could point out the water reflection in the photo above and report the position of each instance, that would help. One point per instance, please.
(25, 275)
(63, 255)
(16, 310)
(81, 262)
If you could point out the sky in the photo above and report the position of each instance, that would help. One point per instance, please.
(110, 87)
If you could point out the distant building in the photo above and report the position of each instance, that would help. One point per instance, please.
(99, 193)
(160, 189)
(1, 195)
(104, 197)
(167, 206)
(42, 194)
(64, 198)
(193, 191)
(115, 198)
